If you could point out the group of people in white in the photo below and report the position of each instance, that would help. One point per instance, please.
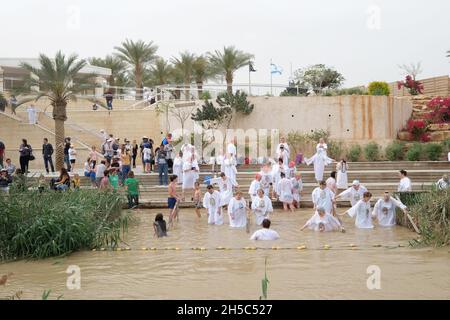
(280, 180)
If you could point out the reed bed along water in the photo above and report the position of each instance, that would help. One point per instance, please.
(43, 224)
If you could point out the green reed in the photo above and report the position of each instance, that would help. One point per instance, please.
(37, 224)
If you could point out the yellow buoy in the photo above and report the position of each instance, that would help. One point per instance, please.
(153, 248)
(202, 249)
(127, 248)
(102, 249)
(301, 247)
(275, 248)
(144, 248)
(220, 248)
(352, 245)
(377, 245)
(118, 249)
(177, 248)
(326, 247)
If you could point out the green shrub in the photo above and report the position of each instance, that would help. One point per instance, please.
(354, 153)
(335, 149)
(446, 145)
(414, 152)
(433, 151)
(394, 151)
(205, 95)
(372, 151)
(40, 225)
(379, 88)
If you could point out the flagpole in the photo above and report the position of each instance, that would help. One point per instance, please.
(249, 80)
(270, 76)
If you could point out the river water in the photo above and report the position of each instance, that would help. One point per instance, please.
(338, 271)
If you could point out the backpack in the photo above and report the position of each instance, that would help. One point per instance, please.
(115, 147)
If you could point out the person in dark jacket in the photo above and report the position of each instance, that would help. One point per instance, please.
(47, 153)
(25, 152)
(67, 144)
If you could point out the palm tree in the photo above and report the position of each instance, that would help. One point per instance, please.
(161, 72)
(227, 62)
(184, 67)
(202, 72)
(138, 55)
(59, 81)
(117, 66)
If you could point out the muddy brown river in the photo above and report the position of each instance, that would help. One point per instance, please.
(332, 266)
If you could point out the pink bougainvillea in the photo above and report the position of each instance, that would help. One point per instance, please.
(439, 110)
(414, 87)
(417, 128)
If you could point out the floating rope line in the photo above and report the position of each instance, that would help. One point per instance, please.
(274, 248)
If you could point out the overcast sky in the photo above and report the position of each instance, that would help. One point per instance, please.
(363, 39)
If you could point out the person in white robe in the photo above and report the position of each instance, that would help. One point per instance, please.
(226, 185)
(261, 207)
(320, 160)
(331, 182)
(362, 211)
(283, 153)
(405, 184)
(297, 188)
(323, 197)
(229, 167)
(443, 183)
(219, 162)
(237, 211)
(190, 171)
(384, 210)
(323, 222)
(285, 188)
(354, 193)
(254, 187)
(283, 146)
(265, 233)
(231, 149)
(178, 167)
(277, 170)
(342, 178)
(291, 170)
(211, 202)
(32, 114)
(266, 178)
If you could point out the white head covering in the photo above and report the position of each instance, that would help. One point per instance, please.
(355, 183)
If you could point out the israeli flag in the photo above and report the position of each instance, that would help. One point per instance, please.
(274, 69)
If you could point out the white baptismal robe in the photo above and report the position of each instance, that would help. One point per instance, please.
(404, 185)
(178, 168)
(320, 160)
(237, 213)
(285, 190)
(261, 208)
(276, 174)
(226, 189)
(211, 202)
(329, 222)
(384, 211)
(353, 194)
(253, 190)
(190, 176)
(265, 234)
(266, 180)
(363, 215)
(229, 168)
(323, 198)
(297, 187)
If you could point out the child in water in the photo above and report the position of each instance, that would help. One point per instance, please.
(198, 198)
(160, 226)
